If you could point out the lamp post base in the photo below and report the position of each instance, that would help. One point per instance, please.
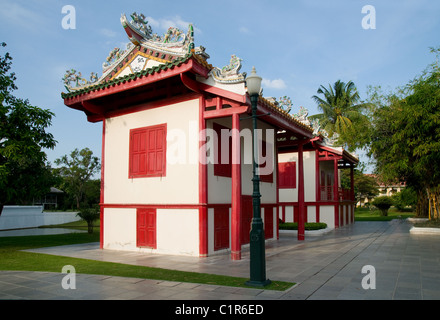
(257, 255)
(259, 284)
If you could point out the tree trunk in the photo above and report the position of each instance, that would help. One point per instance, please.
(90, 227)
(433, 203)
(422, 207)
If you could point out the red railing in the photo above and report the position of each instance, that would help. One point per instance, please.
(327, 194)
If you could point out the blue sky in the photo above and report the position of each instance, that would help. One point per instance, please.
(296, 46)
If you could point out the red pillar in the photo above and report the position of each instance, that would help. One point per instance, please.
(203, 185)
(236, 190)
(336, 192)
(317, 185)
(352, 183)
(301, 204)
(352, 193)
(101, 211)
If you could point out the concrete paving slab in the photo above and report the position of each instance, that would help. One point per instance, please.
(328, 267)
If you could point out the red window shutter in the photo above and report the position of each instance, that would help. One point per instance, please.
(138, 149)
(146, 228)
(147, 151)
(287, 175)
(221, 168)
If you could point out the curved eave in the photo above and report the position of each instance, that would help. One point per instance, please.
(344, 154)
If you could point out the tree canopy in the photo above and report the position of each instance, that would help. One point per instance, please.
(342, 112)
(405, 135)
(24, 172)
(77, 169)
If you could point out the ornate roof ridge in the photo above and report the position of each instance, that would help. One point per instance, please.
(161, 67)
(284, 113)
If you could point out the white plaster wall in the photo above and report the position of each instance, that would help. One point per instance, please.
(120, 229)
(309, 175)
(327, 215)
(238, 88)
(178, 231)
(180, 183)
(288, 213)
(311, 213)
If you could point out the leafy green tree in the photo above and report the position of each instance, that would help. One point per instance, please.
(405, 198)
(89, 215)
(24, 172)
(405, 137)
(383, 203)
(365, 186)
(342, 113)
(76, 170)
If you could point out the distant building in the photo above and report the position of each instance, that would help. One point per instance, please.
(50, 199)
(384, 189)
(177, 157)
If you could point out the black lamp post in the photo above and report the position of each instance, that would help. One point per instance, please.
(257, 241)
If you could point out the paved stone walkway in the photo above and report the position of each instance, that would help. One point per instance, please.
(326, 267)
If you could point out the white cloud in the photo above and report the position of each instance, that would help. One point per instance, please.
(19, 16)
(274, 84)
(108, 33)
(164, 24)
(244, 30)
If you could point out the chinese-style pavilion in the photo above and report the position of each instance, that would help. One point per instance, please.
(168, 183)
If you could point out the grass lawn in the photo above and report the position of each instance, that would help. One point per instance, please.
(428, 224)
(11, 258)
(365, 214)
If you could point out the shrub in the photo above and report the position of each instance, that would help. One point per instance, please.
(89, 215)
(307, 226)
(404, 199)
(383, 203)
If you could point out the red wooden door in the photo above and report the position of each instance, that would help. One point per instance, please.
(246, 218)
(146, 228)
(221, 228)
(268, 222)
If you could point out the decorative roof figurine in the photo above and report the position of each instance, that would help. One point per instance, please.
(301, 116)
(285, 103)
(229, 73)
(174, 41)
(75, 77)
(137, 29)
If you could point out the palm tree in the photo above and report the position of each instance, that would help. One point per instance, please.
(341, 110)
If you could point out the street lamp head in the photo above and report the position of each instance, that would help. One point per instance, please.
(253, 83)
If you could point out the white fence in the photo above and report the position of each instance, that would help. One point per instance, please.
(18, 217)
